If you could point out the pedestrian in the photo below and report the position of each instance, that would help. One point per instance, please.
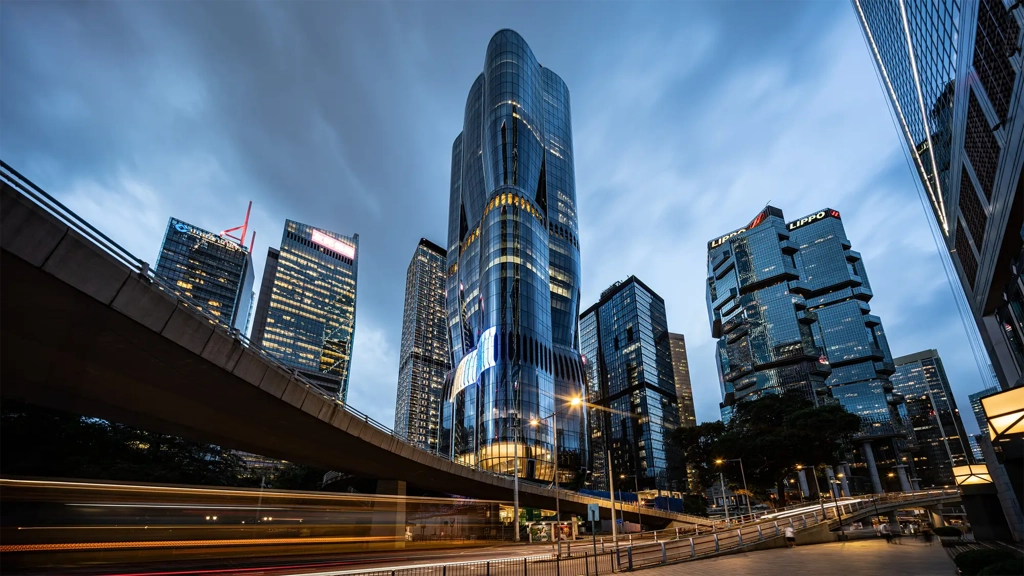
(926, 531)
(884, 529)
(790, 537)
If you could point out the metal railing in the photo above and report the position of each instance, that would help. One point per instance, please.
(684, 547)
(143, 270)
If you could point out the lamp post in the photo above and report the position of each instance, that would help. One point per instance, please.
(725, 501)
(576, 401)
(816, 485)
(516, 433)
(743, 475)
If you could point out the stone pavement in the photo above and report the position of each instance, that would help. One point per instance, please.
(853, 558)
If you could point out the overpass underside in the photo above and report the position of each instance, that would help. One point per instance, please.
(85, 332)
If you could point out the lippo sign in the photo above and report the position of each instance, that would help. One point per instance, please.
(809, 219)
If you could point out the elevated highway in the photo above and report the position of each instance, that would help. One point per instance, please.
(88, 328)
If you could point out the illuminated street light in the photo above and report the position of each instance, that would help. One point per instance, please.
(743, 475)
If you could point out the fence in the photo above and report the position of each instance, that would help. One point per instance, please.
(664, 550)
(581, 564)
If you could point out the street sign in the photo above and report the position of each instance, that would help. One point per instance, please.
(593, 512)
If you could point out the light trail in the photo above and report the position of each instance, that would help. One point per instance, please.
(64, 547)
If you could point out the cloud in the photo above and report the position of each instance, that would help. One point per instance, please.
(688, 118)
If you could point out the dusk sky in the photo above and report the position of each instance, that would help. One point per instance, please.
(687, 118)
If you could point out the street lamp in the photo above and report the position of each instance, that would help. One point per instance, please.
(534, 422)
(818, 486)
(743, 475)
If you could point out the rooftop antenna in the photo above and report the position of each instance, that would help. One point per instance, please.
(244, 228)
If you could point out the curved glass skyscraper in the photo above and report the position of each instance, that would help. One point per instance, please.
(513, 273)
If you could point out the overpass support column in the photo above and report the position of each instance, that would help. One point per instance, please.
(844, 475)
(934, 517)
(901, 470)
(802, 476)
(869, 457)
(389, 515)
(833, 484)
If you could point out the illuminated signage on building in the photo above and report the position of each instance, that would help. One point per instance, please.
(757, 221)
(186, 228)
(345, 249)
(822, 214)
(474, 363)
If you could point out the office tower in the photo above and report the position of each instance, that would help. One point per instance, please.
(681, 371)
(306, 314)
(212, 270)
(424, 359)
(513, 273)
(788, 303)
(632, 388)
(950, 72)
(979, 412)
(975, 446)
(933, 414)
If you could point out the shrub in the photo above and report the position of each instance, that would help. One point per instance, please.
(1013, 567)
(949, 531)
(972, 562)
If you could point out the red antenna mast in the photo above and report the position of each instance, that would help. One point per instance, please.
(244, 228)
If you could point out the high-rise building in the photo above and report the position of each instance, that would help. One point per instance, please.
(979, 457)
(632, 387)
(950, 70)
(306, 315)
(424, 358)
(788, 303)
(978, 410)
(513, 273)
(681, 371)
(212, 270)
(941, 442)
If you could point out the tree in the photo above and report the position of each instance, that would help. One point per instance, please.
(772, 435)
(37, 441)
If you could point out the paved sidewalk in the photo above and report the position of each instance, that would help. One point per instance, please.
(852, 558)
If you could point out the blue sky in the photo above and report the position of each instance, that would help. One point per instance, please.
(687, 119)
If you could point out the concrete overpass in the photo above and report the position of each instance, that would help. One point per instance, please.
(87, 328)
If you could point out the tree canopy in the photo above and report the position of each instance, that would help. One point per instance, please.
(773, 435)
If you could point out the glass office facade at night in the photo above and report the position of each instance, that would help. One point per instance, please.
(632, 388)
(941, 442)
(424, 357)
(681, 372)
(979, 412)
(788, 302)
(758, 314)
(513, 273)
(306, 315)
(211, 270)
(950, 71)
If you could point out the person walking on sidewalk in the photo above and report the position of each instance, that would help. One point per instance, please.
(790, 537)
(884, 529)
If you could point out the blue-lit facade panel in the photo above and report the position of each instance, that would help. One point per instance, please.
(512, 285)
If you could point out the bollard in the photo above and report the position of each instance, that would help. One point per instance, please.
(716, 542)
(693, 549)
